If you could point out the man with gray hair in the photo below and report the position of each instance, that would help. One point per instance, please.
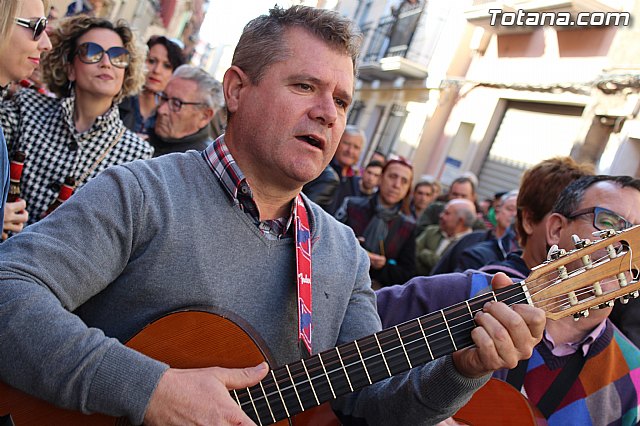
(456, 221)
(185, 109)
(501, 240)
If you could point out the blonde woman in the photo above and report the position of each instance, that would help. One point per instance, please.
(22, 40)
(92, 65)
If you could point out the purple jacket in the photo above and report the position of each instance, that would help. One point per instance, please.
(423, 295)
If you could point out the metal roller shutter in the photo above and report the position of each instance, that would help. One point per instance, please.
(529, 133)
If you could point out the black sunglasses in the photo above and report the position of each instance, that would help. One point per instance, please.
(603, 218)
(92, 53)
(38, 25)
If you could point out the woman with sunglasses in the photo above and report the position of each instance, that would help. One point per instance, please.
(138, 112)
(93, 64)
(22, 40)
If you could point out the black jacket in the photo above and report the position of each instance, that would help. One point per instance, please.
(322, 190)
(198, 141)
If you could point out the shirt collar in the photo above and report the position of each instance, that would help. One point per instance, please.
(565, 349)
(233, 181)
(226, 169)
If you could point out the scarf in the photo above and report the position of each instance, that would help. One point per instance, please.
(377, 229)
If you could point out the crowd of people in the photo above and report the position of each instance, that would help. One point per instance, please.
(279, 222)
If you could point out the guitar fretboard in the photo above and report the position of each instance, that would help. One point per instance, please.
(304, 384)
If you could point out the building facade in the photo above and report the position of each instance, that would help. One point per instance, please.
(461, 93)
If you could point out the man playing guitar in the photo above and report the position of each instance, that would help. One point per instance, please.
(223, 228)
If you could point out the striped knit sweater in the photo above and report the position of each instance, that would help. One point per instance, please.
(607, 389)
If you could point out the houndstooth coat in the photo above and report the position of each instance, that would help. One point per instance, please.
(44, 129)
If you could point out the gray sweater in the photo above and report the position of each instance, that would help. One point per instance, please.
(150, 237)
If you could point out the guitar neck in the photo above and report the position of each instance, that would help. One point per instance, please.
(304, 384)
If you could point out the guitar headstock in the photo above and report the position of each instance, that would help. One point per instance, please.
(590, 276)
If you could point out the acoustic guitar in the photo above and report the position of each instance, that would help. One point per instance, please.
(499, 403)
(590, 276)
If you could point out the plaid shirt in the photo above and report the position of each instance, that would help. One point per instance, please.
(225, 168)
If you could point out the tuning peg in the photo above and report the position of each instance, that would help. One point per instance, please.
(624, 300)
(605, 233)
(555, 252)
(581, 314)
(607, 304)
(578, 242)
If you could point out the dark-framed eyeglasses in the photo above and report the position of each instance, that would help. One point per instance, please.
(92, 53)
(603, 218)
(175, 104)
(38, 25)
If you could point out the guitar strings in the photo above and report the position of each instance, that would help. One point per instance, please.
(435, 344)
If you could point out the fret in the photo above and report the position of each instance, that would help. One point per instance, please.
(245, 402)
(320, 380)
(327, 376)
(478, 302)
(304, 387)
(295, 389)
(412, 337)
(266, 399)
(393, 352)
(344, 368)
(402, 346)
(353, 365)
(374, 358)
(310, 382)
(274, 402)
(235, 396)
(436, 331)
(383, 357)
(362, 360)
(279, 392)
(470, 312)
(424, 336)
(261, 404)
(446, 324)
(460, 324)
(335, 372)
(287, 391)
(517, 293)
(493, 293)
(257, 418)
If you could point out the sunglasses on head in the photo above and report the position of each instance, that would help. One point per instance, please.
(38, 25)
(92, 53)
(603, 219)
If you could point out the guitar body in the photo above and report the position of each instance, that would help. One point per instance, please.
(499, 403)
(189, 339)
(200, 338)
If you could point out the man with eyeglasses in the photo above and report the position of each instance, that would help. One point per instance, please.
(185, 109)
(585, 371)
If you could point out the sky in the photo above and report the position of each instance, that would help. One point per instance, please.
(225, 18)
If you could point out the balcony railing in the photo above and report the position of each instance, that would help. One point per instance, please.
(389, 41)
(379, 35)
